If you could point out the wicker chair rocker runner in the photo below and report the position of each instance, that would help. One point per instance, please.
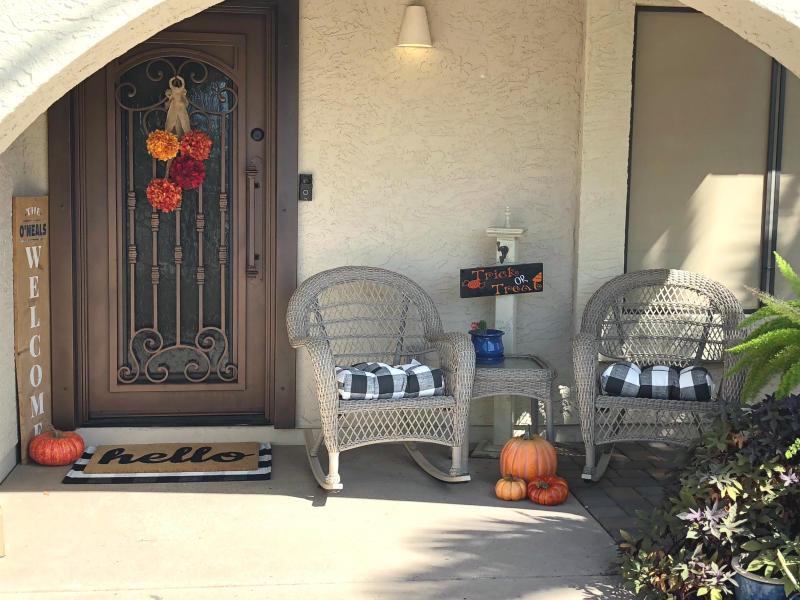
(655, 317)
(362, 314)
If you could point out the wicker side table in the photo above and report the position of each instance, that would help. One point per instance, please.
(520, 375)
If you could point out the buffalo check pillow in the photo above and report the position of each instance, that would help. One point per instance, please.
(372, 381)
(621, 379)
(695, 384)
(422, 380)
(659, 383)
(625, 379)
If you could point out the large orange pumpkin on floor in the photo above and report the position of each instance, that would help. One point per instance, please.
(549, 490)
(510, 488)
(528, 456)
(56, 448)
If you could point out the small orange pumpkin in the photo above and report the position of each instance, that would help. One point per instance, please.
(528, 456)
(56, 448)
(510, 488)
(548, 490)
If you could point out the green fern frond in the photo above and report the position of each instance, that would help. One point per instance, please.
(773, 347)
(783, 361)
(788, 273)
(759, 369)
(743, 363)
(763, 312)
(757, 377)
(771, 339)
(781, 308)
(771, 325)
(764, 366)
(789, 381)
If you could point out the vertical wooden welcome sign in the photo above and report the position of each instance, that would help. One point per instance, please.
(31, 218)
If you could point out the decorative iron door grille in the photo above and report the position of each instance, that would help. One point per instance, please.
(177, 292)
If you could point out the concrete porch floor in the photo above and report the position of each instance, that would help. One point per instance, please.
(392, 533)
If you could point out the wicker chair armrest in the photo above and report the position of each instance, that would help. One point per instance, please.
(457, 358)
(585, 349)
(730, 388)
(324, 371)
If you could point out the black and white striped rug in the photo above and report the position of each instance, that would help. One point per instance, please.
(264, 472)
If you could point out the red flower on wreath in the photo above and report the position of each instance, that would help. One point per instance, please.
(196, 144)
(164, 194)
(187, 172)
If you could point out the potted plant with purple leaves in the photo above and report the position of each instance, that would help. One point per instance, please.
(730, 517)
(488, 344)
(769, 568)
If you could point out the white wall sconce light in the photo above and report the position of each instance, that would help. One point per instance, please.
(414, 32)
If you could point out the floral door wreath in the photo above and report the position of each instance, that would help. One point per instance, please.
(184, 172)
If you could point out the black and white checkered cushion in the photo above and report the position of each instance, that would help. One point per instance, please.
(621, 379)
(695, 384)
(391, 380)
(374, 381)
(355, 384)
(370, 381)
(659, 383)
(423, 381)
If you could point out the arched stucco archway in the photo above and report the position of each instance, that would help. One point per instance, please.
(50, 46)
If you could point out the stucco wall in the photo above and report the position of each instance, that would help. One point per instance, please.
(606, 121)
(23, 172)
(415, 152)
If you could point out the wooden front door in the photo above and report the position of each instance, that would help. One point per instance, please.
(175, 312)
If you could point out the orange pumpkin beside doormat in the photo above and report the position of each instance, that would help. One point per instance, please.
(528, 456)
(56, 448)
(510, 488)
(548, 490)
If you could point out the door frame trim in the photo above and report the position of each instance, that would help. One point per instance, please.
(65, 154)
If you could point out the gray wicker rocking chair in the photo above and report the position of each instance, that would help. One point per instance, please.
(358, 314)
(661, 316)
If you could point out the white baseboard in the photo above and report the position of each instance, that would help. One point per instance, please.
(98, 436)
(8, 462)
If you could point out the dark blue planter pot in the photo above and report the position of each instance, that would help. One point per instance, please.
(488, 346)
(754, 587)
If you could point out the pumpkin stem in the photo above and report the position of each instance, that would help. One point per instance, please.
(56, 432)
(527, 435)
(542, 485)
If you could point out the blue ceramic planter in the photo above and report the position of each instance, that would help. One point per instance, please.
(753, 587)
(488, 346)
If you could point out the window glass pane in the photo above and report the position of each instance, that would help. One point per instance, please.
(699, 150)
(788, 242)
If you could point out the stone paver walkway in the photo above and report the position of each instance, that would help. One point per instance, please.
(633, 481)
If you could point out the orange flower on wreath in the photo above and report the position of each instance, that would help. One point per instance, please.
(162, 145)
(196, 144)
(164, 194)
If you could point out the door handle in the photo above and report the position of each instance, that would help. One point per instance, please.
(252, 173)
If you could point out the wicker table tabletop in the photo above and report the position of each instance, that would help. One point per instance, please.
(519, 375)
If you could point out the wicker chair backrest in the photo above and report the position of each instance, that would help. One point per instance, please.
(366, 314)
(663, 316)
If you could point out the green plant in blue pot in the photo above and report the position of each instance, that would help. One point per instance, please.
(488, 344)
